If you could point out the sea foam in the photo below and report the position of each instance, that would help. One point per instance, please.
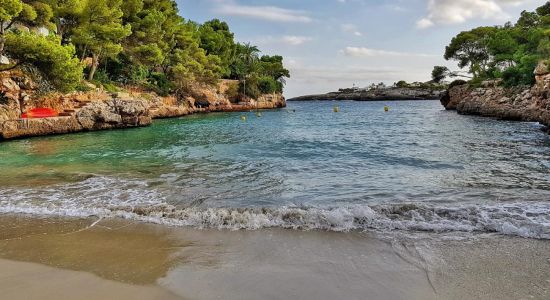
(134, 200)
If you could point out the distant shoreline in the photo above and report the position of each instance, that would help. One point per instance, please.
(373, 100)
(387, 94)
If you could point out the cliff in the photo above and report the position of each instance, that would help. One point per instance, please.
(492, 100)
(387, 94)
(100, 110)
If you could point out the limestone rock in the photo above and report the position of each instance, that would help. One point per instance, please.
(519, 103)
(37, 127)
(4, 60)
(98, 115)
(541, 69)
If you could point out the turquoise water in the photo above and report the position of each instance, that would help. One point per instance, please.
(416, 167)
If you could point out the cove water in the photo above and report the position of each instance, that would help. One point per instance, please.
(414, 168)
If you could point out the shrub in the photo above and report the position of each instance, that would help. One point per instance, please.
(101, 76)
(232, 92)
(160, 83)
(522, 74)
(457, 83)
(111, 88)
(251, 85)
(267, 85)
(82, 88)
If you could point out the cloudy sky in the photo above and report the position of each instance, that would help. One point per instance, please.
(328, 44)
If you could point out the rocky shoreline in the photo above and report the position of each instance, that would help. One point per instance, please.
(100, 110)
(530, 104)
(386, 94)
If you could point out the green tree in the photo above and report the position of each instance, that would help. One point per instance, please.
(56, 61)
(273, 66)
(268, 85)
(100, 31)
(66, 16)
(470, 49)
(401, 84)
(244, 61)
(154, 26)
(528, 20)
(439, 73)
(502, 46)
(217, 39)
(9, 10)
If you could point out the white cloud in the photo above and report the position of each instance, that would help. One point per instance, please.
(459, 11)
(294, 40)
(350, 28)
(289, 40)
(268, 13)
(424, 23)
(368, 52)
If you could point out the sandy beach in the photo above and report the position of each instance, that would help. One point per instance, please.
(54, 258)
(19, 280)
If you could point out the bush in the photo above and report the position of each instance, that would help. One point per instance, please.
(401, 84)
(457, 83)
(82, 88)
(160, 83)
(232, 92)
(267, 85)
(522, 74)
(102, 77)
(56, 61)
(111, 88)
(251, 85)
(123, 71)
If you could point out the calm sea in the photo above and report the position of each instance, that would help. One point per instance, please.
(414, 168)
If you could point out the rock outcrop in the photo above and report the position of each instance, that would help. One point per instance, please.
(96, 116)
(491, 100)
(387, 94)
(99, 110)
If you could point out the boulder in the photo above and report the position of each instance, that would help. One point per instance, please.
(98, 115)
(4, 60)
(519, 103)
(541, 69)
(37, 127)
(114, 113)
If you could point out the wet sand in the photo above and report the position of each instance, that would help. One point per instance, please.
(89, 258)
(19, 280)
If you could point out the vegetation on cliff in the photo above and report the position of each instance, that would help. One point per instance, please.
(509, 52)
(130, 42)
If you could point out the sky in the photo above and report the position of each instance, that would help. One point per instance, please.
(331, 44)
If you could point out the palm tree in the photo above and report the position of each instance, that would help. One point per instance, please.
(247, 56)
(250, 54)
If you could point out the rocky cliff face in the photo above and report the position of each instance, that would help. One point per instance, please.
(387, 94)
(98, 110)
(520, 103)
(98, 115)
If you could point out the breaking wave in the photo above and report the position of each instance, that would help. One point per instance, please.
(133, 200)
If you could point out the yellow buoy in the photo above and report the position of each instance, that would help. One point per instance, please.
(386, 108)
(243, 118)
(336, 109)
(259, 114)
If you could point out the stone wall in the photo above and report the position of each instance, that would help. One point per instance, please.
(492, 100)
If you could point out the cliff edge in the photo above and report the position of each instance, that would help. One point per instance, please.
(525, 103)
(100, 110)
